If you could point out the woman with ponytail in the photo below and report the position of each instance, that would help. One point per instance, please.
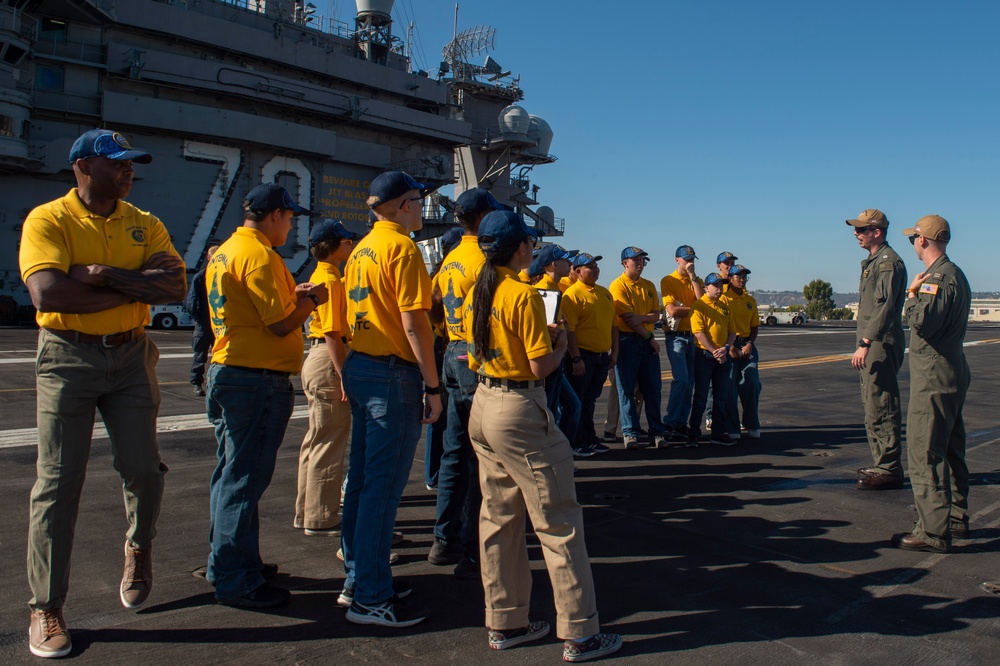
(525, 462)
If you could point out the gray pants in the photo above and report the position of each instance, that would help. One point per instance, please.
(73, 380)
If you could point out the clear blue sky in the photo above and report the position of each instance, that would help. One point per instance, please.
(754, 127)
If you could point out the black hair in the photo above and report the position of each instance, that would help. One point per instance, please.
(325, 248)
(485, 290)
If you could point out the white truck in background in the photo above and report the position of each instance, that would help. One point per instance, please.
(775, 318)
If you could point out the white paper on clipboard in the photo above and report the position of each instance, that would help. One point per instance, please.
(551, 298)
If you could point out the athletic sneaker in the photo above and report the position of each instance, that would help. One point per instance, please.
(390, 613)
(735, 436)
(753, 433)
(594, 647)
(723, 440)
(583, 452)
(660, 441)
(400, 588)
(322, 532)
(508, 638)
(393, 557)
(597, 447)
(631, 442)
(610, 437)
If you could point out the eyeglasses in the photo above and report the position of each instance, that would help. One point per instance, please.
(913, 239)
(865, 230)
(404, 201)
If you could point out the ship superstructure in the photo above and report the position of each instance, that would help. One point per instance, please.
(228, 94)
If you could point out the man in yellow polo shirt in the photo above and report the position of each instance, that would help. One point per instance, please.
(392, 383)
(714, 332)
(257, 313)
(744, 378)
(680, 290)
(93, 263)
(637, 308)
(592, 336)
(456, 527)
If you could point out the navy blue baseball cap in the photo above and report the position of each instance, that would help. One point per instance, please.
(450, 239)
(391, 185)
(551, 253)
(475, 201)
(633, 251)
(330, 230)
(105, 143)
(584, 258)
(685, 252)
(503, 228)
(739, 269)
(270, 196)
(715, 278)
(726, 256)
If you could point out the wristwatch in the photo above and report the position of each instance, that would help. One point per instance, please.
(432, 390)
(314, 298)
(576, 359)
(863, 345)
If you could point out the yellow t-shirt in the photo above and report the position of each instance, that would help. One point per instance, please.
(547, 282)
(590, 313)
(249, 288)
(457, 275)
(63, 233)
(385, 276)
(744, 310)
(677, 288)
(330, 317)
(714, 319)
(638, 297)
(565, 283)
(517, 328)
(523, 276)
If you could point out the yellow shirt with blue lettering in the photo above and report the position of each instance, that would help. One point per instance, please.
(64, 233)
(330, 317)
(712, 318)
(635, 296)
(590, 313)
(678, 289)
(249, 288)
(385, 276)
(518, 330)
(458, 274)
(743, 307)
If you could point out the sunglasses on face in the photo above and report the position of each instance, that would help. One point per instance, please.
(913, 239)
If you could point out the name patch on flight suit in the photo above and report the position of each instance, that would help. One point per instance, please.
(931, 289)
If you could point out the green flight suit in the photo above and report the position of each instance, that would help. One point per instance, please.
(882, 292)
(939, 380)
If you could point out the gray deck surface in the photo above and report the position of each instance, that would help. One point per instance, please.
(759, 554)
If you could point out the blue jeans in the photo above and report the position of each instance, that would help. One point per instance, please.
(638, 366)
(680, 352)
(434, 432)
(563, 403)
(387, 403)
(744, 386)
(250, 410)
(588, 387)
(459, 495)
(709, 373)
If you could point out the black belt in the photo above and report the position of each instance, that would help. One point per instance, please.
(258, 371)
(389, 358)
(587, 352)
(109, 340)
(493, 382)
(317, 341)
(683, 334)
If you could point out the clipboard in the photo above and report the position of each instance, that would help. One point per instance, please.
(551, 298)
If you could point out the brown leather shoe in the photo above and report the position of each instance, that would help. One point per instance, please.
(137, 579)
(868, 471)
(880, 482)
(909, 541)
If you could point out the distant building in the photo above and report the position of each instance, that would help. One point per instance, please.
(984, 309)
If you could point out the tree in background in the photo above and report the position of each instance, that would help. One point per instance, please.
(819, 299)
(844, 314)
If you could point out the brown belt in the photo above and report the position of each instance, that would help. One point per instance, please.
(110, 340)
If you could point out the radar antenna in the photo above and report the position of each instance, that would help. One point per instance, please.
(468, 43)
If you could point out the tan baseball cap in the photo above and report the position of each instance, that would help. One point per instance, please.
(872, 217)
(933, 227)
